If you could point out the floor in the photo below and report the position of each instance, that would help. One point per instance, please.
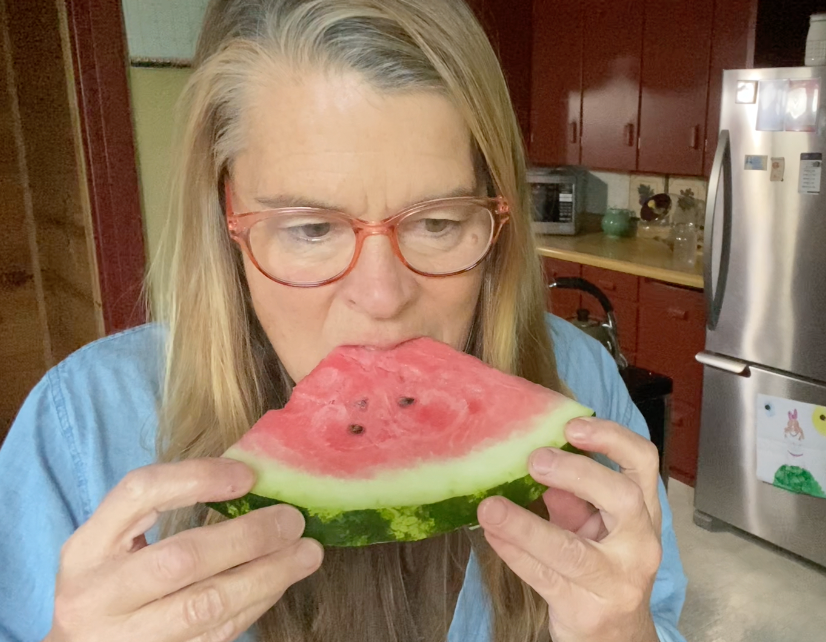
(743, 590)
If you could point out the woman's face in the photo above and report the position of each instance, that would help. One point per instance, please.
(330, 139)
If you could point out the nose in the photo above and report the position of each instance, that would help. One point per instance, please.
(379, 284)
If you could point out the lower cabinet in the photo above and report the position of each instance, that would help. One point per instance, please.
(661, 328)
(563, 303)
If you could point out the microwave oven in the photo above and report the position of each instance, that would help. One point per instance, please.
(558, 200)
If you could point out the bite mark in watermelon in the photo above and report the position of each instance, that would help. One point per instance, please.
(399, 445)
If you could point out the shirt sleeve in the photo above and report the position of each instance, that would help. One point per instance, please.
(43, 500)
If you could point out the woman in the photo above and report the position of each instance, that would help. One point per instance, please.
(368, 108)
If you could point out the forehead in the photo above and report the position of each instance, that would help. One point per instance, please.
(332, 137)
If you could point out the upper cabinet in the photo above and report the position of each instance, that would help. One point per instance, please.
(611, 60)
(634, 85)
(557, 87)
(508, 24)
(674, 89)
(732, 47)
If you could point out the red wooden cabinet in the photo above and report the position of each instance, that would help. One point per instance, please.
(611, 59)
(563, 303)
(508, 24)
(671, 333)
(732, 47)
(675, 72)
(622, 290)
(556, 97)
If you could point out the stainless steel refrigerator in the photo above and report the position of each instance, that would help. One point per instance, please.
(764, 381)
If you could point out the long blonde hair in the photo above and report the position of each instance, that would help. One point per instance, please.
(221, 371)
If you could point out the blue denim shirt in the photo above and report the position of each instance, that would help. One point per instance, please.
(92, 419)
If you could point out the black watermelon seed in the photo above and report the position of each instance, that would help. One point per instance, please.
(355, 429)
(406, 401)
(822, 417)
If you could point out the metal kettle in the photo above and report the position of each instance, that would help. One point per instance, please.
(604, 332)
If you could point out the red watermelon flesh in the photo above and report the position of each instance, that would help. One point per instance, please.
(399, 445)
(363, 410)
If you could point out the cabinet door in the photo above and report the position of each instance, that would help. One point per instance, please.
(732, 47)
(671, 332)
(563, 303)
(508, 26)
(682, 448)
(556, 101)
(675, 70)
(611, 58)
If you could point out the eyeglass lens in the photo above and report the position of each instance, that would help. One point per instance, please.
(313, 247)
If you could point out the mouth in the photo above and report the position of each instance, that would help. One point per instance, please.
(381, 344)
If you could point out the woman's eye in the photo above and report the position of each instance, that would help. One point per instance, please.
(311, 231)
(437, 225)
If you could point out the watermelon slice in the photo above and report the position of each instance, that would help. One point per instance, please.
(399, 445)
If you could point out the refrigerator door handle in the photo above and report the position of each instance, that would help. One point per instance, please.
(723, 363)
(721, 169)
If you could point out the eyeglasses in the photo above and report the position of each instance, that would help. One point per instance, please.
(309, 247)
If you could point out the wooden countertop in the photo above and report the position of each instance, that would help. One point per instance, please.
(641, 257)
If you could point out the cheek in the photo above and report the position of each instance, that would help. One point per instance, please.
(453, 302)
(293, 319)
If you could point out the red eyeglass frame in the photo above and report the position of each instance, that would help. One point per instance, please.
(239, 226)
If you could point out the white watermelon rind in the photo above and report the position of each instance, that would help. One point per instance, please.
(491, 464)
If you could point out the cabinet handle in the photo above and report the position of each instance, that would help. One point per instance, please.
(695, 137)
(607, 285)
(676, 313)
(629, 134)
(573, 138)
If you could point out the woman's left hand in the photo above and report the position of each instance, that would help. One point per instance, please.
(595, 567)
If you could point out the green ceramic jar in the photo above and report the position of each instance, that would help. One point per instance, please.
(616, 222)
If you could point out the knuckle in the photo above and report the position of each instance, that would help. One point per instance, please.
(650, 457)
(227, 631)
(175, 561)
(207, 606)
(631, 499)
(135, 483)
(575, 552)
(66, 614)
(251, 538)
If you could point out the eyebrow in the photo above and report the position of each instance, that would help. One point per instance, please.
(290, 200)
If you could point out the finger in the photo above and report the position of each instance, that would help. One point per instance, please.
(197, 554)
(566, 510)
(209, 605)
(618, 497)
(546, 581)
(133, 506)
(636, 456)
(558, 549)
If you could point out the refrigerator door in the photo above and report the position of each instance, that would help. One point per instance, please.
(727, 484)
(766, 225)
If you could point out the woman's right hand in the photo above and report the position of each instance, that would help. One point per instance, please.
(204, 584)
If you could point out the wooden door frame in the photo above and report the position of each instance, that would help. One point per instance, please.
(101, 62)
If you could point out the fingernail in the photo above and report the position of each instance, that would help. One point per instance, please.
(308, 553)
(579, 428)
(289, 521)
(542, 461)
(494, 511)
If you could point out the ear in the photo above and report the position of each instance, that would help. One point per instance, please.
(790, 415)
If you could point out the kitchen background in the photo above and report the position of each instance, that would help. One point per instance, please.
(628, 92)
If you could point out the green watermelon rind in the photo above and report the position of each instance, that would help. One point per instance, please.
(364, 527)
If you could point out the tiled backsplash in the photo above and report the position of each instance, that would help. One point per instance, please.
(611, 189)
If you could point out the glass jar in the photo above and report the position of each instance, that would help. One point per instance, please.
(684, 242)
